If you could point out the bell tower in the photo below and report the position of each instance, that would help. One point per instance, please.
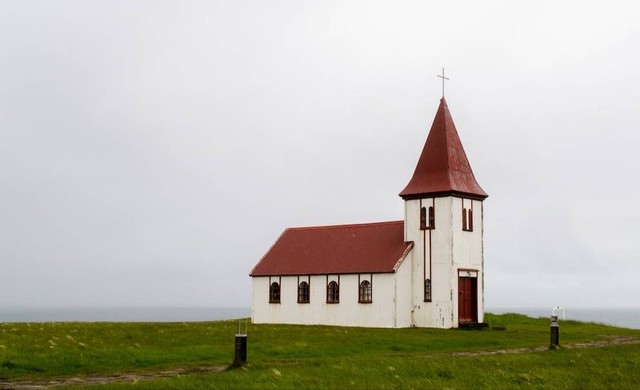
(444, 219)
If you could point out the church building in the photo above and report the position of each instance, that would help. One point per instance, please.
(426, 270)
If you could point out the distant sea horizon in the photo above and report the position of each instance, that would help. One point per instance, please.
(122, 314)
(623, 317)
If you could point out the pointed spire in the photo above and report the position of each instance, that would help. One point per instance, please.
(443, 168)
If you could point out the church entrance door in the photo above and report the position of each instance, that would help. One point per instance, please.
(467, 298)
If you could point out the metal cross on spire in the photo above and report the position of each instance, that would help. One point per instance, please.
(443, 79)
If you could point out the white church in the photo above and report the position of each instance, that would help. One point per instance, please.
(425, 271)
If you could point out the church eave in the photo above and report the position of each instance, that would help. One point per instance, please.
(404, 256)
(443, 194)
(259, 275)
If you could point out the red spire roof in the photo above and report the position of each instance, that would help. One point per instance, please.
(443, 168)
(340, 249)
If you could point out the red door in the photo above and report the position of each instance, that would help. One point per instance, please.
(467, 299)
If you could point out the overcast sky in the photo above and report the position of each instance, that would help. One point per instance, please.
(152, 151)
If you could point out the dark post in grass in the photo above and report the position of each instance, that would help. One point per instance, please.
(240, 357)
(555, 328)
(555, 333)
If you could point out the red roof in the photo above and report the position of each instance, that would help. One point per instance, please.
(340, 249)
(443, 168)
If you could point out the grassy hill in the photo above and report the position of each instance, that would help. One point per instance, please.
(513, 353)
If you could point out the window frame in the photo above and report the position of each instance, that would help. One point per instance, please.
(428, 288)
(432, 218)
(365, 292)
(464, 219)
(304, 294)
(275, 291)
(333, 290)
(467, 217)
(427, 218)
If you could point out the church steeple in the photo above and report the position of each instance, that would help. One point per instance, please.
(443, 168)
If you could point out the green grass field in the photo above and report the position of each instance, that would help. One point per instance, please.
(285, 356)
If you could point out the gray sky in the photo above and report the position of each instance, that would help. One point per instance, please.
(152, 151)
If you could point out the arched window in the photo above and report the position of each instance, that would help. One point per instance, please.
(432, 218)
(467, 220)
(464, 219)
(427, 290)
(274, 293)
(333, 292)
(364, 295)
(429, 223)
(303, 292)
